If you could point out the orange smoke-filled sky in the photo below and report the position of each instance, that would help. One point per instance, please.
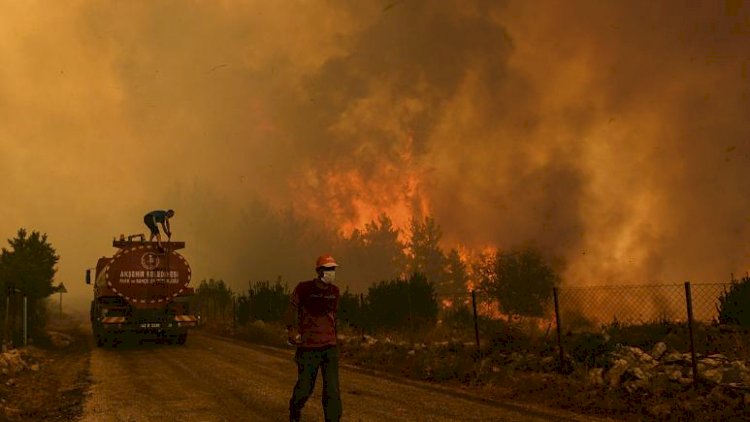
(615, 135)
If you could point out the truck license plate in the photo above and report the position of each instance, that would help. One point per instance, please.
(150, 325)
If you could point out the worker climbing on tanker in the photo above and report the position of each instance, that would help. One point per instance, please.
(158, 217)
(311, 326)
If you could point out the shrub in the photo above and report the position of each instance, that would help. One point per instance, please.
(646, 335)
(459, 317)
(402, 303)
(350, 311)
(213, 299)
(733, 309)
(590, 349)
(509, 337)
(521, 281)
(263, 301)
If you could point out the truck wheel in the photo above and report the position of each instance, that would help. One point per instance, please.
(101, 340)
(116, 341)
(182, 338)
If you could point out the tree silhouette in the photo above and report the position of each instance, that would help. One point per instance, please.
(264, 301)
(522, 282)
(350, 310)
(214, 299)
(457, 277)
(732, 307)
(374, 253)
(402, 304)
(28, 269)
(427, 257)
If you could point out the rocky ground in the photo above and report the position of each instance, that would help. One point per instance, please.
(626, 383)
(50, 382)
(46, 382)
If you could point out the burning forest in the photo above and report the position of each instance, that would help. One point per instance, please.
(611, 137)
(498, 149)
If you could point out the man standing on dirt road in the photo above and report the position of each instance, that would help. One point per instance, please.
(311, 326)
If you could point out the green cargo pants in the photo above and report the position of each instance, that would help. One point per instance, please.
(308, 361)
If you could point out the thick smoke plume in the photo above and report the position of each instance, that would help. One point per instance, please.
(613, 135)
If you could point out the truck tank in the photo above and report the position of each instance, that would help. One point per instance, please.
(141, 292)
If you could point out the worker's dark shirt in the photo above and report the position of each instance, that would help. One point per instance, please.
(159, 216)
(316, 313)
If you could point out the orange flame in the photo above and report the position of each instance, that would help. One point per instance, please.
(354, 197)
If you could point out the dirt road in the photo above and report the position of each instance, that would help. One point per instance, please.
(215, 379)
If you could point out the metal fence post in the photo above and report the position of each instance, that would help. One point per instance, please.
(411, 315)
(559, 326)
(6, 326)
(25, 320)
(361, 316)
(476, 324)
(689, 301)
(234, 313)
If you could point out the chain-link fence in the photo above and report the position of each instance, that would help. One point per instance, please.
(684, 315)
(589, 308)
(687, 316)
(476, 316)
(579, 309)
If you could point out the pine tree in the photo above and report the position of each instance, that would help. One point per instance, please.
(28, 268)
(427, 256)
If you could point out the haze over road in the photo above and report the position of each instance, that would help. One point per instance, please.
(612, 134)
(213, 379)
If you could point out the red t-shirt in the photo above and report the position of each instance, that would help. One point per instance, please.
(316, 316)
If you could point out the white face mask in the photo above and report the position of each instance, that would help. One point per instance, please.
(329, 276)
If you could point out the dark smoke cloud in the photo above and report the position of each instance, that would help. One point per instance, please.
(635, 119)
(614, 135)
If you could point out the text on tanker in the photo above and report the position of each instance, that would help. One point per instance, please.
(148, 277)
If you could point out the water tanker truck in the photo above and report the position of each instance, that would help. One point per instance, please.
(141, 292)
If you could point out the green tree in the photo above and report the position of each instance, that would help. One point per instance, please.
(400, 303)
(28, 269)
(484, 275)
(350, 310)
(733, 304)
(457, 278)
(374, 253)
(426, 255)
(214, 299)
(483, 269)
(281, 243)
(523, 282)
(264, 301)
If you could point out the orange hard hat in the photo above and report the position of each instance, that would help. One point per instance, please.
(326, 261)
